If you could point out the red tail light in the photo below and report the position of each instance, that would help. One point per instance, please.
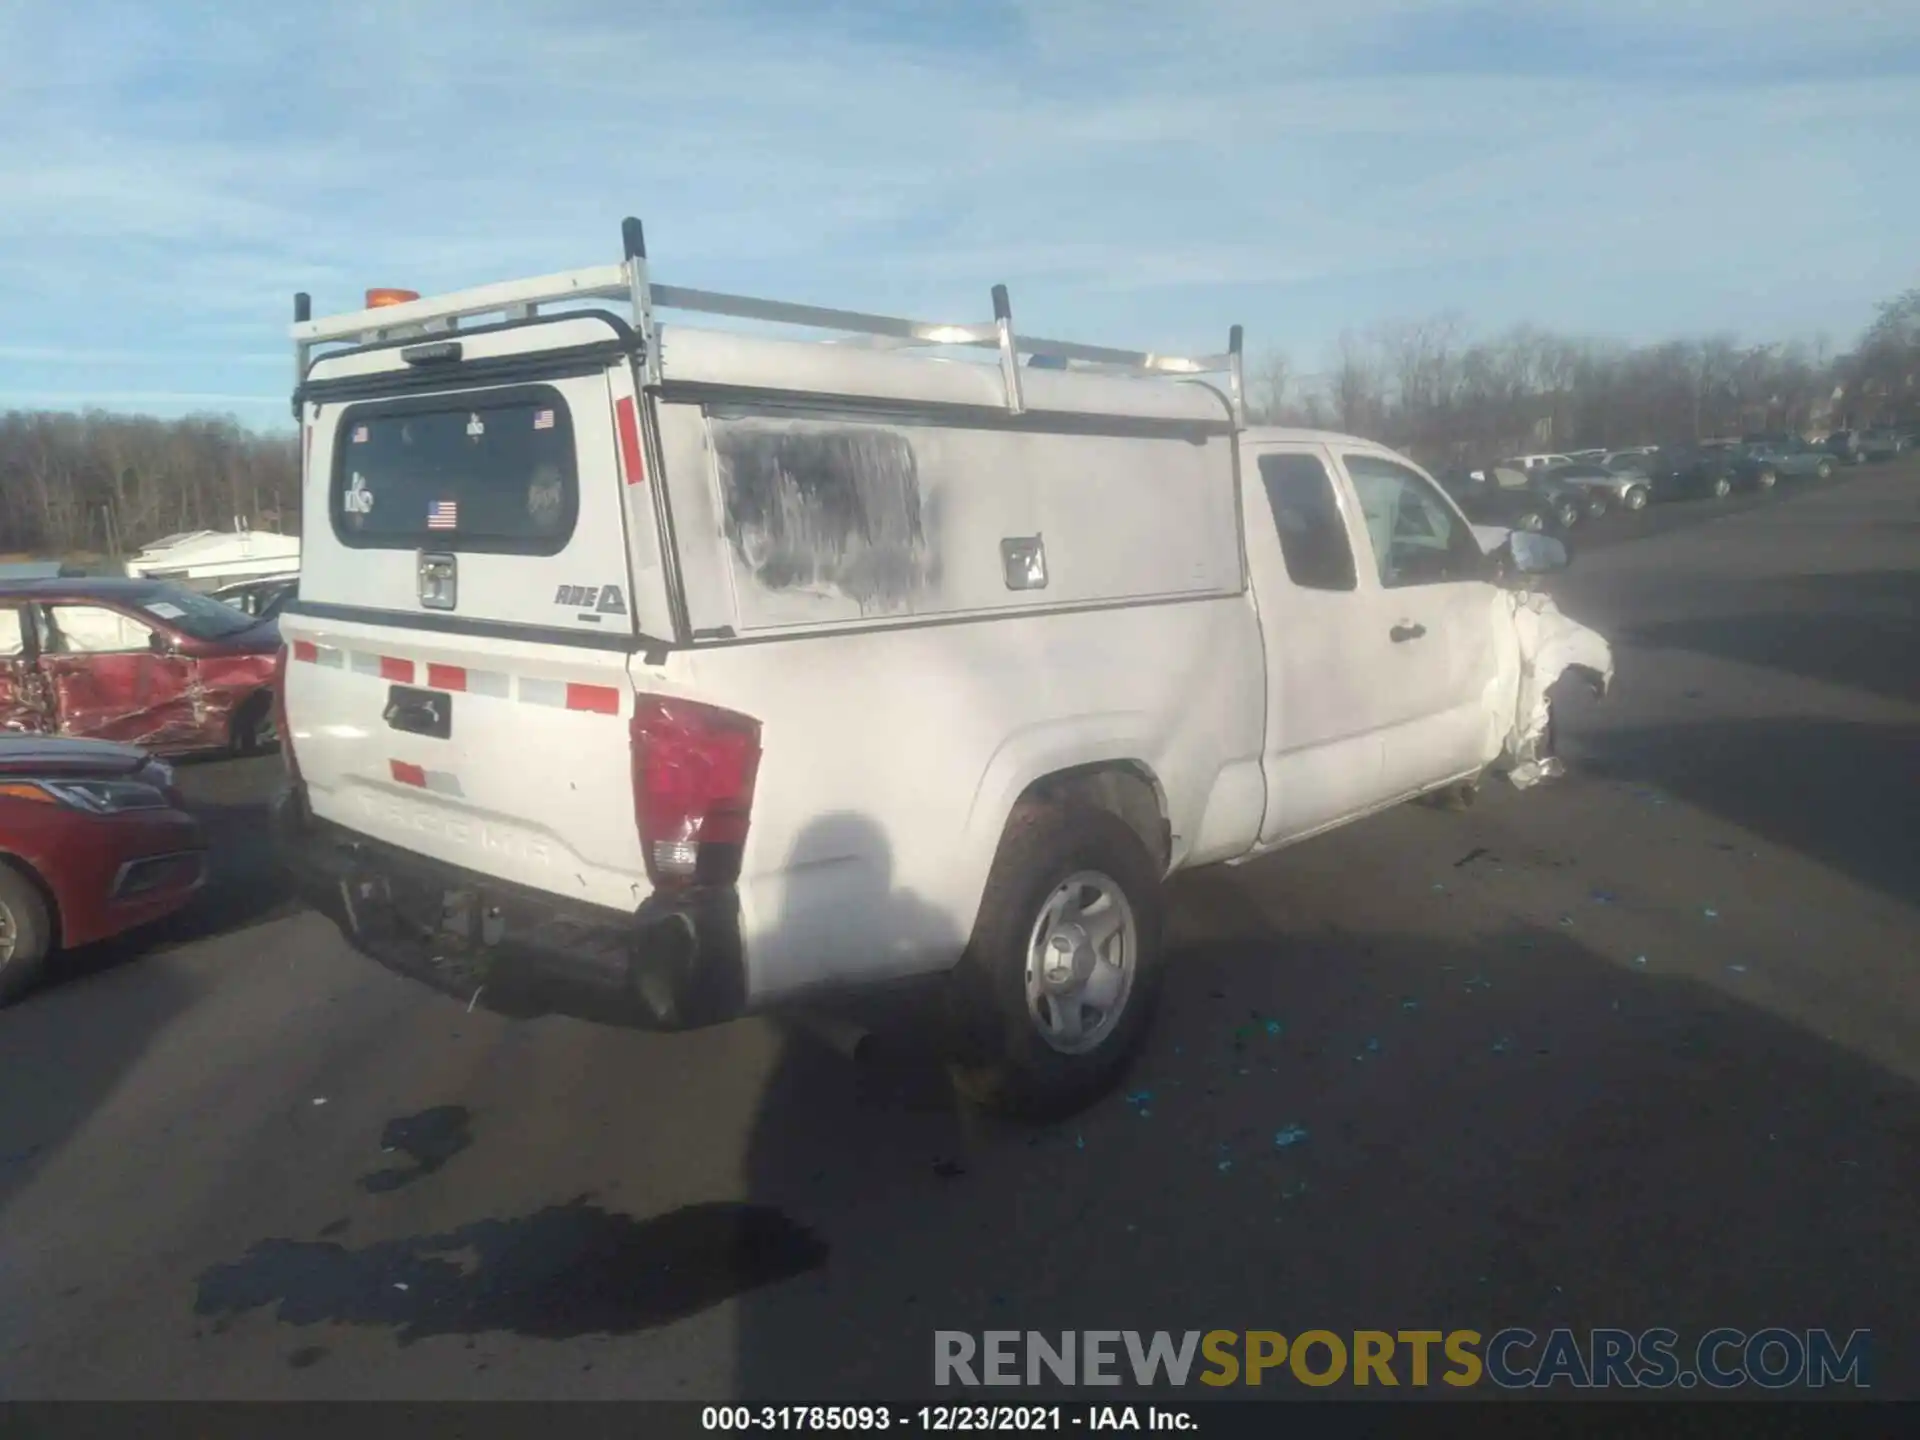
(280, 726)
(693, 772)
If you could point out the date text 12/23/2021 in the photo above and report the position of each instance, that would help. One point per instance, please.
(942, 1419)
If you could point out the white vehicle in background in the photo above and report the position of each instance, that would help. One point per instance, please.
(655, 675)
(205, 559)
(1537, 462)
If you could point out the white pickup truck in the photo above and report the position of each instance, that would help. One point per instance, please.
(656, 674)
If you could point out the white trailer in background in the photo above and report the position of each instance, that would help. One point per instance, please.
(208, 559)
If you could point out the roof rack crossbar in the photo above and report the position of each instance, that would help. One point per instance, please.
(631, 282)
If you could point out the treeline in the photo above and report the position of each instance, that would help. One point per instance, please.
(111, 484)
(103, 483)
(1433, 390)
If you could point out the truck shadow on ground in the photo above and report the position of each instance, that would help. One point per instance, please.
(1513, 1134)
(1327, 1130)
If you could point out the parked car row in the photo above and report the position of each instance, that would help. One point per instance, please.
(1555, 492)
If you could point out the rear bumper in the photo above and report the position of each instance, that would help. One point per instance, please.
(675, 963)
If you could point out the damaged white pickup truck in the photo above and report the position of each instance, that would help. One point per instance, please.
(655, 674)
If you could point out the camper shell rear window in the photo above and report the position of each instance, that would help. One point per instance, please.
(491, 472)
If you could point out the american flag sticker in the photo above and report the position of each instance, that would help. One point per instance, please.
(443, 515)
(359, 434)
(543, 419)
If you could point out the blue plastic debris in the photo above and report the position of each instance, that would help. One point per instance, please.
(1639, 959)
(1373, 1046)
(1502, 1045)
(1409, 1004)
(1140, 1097)
(1079, 1142)
(1291, 1134)
(1273, 1027)
(1225, 1166)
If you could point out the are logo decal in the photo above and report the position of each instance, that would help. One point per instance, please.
(605, 599)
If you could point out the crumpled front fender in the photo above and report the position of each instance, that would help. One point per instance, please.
(1541, 644)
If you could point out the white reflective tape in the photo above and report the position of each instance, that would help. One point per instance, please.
(364, 663)
(544, 692)
(489, 682)
(440, 782)
(327, 655)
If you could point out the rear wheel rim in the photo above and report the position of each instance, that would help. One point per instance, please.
(9, 935)
(1636, 500)
(1082, 957)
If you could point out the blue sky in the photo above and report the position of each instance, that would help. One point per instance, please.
(1138, 173)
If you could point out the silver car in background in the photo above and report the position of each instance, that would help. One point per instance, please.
(1628, 489)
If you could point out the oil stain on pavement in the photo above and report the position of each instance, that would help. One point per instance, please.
(429, 1139)
(557, 1274)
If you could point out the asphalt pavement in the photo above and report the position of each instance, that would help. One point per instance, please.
(1635, 1048)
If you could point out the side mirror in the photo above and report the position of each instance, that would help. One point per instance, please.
(1537, 554)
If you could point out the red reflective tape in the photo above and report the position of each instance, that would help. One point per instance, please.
(305, 650)
(628, 422)
(600, 699)
(446, 677)
(392, 669)
(407, 774)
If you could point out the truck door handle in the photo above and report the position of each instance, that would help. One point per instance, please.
(1403, 633)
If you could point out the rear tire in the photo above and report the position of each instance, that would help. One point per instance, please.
(26, 933)
(1824, 472)
(1764, 480)
(1029, 987)
(1636, 498)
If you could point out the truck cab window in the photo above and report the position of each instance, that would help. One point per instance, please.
(1417, 537)
(1313, 536)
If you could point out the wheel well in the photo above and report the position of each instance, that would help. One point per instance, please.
(27, 873)
(1124, 788)
(250, 708)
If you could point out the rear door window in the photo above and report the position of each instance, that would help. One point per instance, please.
(94, 630)
(13, 631)
(490, 471)
(1313, 535)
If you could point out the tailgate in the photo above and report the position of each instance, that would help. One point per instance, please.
(458, 650)
(499, 756)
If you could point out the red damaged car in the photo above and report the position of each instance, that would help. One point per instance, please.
(94, 840)
(145, 661)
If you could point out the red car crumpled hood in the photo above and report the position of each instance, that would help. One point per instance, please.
(51, 755)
